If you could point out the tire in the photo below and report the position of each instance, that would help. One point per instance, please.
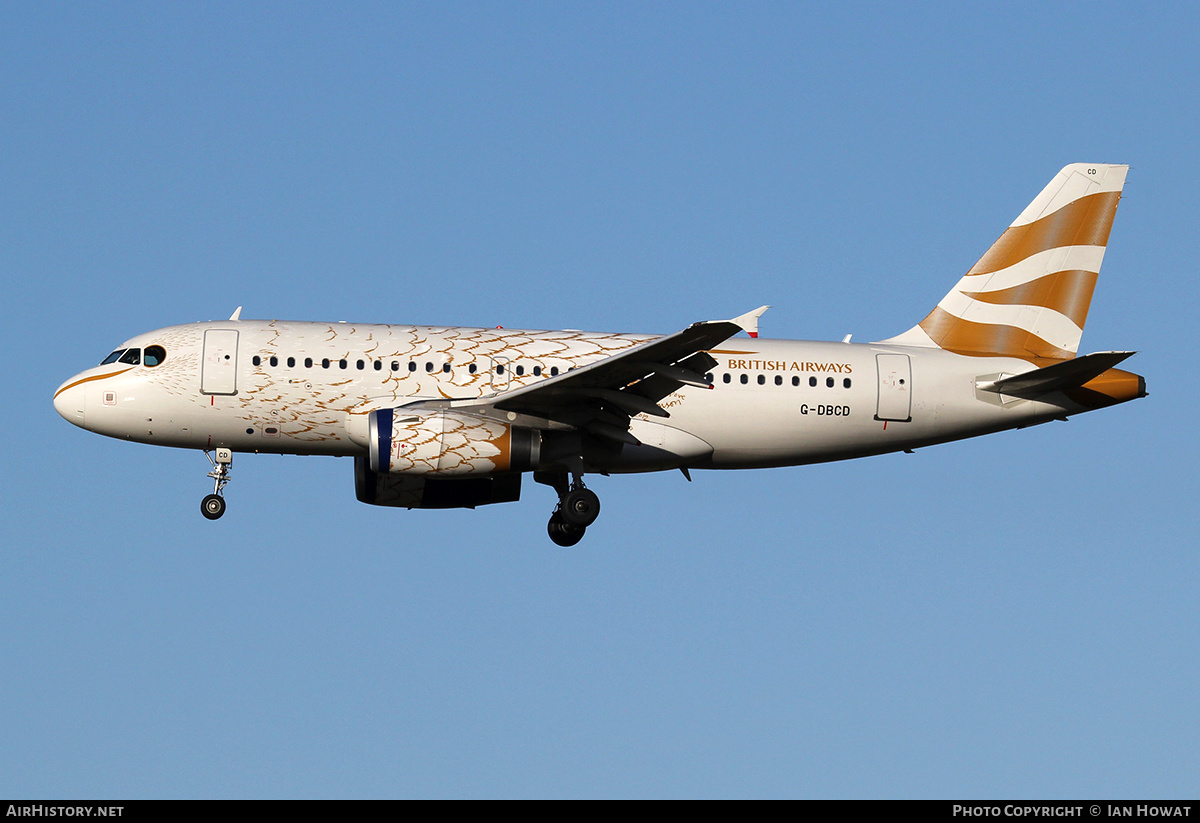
(563, 534)
(212, 506)
(580, 508)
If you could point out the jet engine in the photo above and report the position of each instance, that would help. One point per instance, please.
(448, 444)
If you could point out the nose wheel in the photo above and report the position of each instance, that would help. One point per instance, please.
(213, 505)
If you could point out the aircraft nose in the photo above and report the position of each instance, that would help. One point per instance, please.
(68, 402)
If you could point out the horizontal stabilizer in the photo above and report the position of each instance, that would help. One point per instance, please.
(1069, 374)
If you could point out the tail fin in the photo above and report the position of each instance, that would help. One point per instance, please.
(1028, 296)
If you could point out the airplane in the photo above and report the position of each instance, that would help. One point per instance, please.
(443, 417)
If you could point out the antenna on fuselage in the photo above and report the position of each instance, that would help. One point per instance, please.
(237, 314)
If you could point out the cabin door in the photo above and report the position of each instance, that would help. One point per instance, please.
(218, 366)
(895, 387)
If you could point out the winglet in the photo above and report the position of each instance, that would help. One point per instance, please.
(237, 314)
(749, 320)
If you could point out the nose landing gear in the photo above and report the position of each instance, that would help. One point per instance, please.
(213, 505)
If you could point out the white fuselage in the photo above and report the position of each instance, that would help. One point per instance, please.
(305, 388)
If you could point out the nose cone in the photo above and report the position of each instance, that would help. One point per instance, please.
(68, 401)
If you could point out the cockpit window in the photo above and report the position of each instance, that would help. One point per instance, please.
(131, 356)
(154, 355)
(112, 358)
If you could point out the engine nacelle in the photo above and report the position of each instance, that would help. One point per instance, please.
(412, 491)
(448, 444)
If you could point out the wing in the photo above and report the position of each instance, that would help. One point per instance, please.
(601, 397)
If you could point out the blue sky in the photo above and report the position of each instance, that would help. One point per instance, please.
(1012, 616)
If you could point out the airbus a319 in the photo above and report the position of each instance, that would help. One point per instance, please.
(442, 417)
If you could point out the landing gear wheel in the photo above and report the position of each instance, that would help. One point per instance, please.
(212, 506)
(563, 534)
(580, 508)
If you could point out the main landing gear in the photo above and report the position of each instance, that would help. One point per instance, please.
(578, 507)
(213, 505)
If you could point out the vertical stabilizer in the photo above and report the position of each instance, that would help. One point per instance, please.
(1028, 296)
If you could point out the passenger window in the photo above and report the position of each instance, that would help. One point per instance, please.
(762, 380)
(745, 379)
(812, 381)
(725, 377)
(829, 382)
(154, 355)
(341, 364)
(778, 380)
(445, 368)
(325, 363)
(554, 371)
(472, 368)
(131, 356)
(360, 365)
(308, 362)
(256, 360)
(412, 366)
(112, 358)
(428, 366)
(846, 382)
(520, 371)
(395, 365)
(537, 371)
(378, 365)
(795, 381)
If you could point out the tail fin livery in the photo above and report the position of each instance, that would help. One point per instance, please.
(1028, 296)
